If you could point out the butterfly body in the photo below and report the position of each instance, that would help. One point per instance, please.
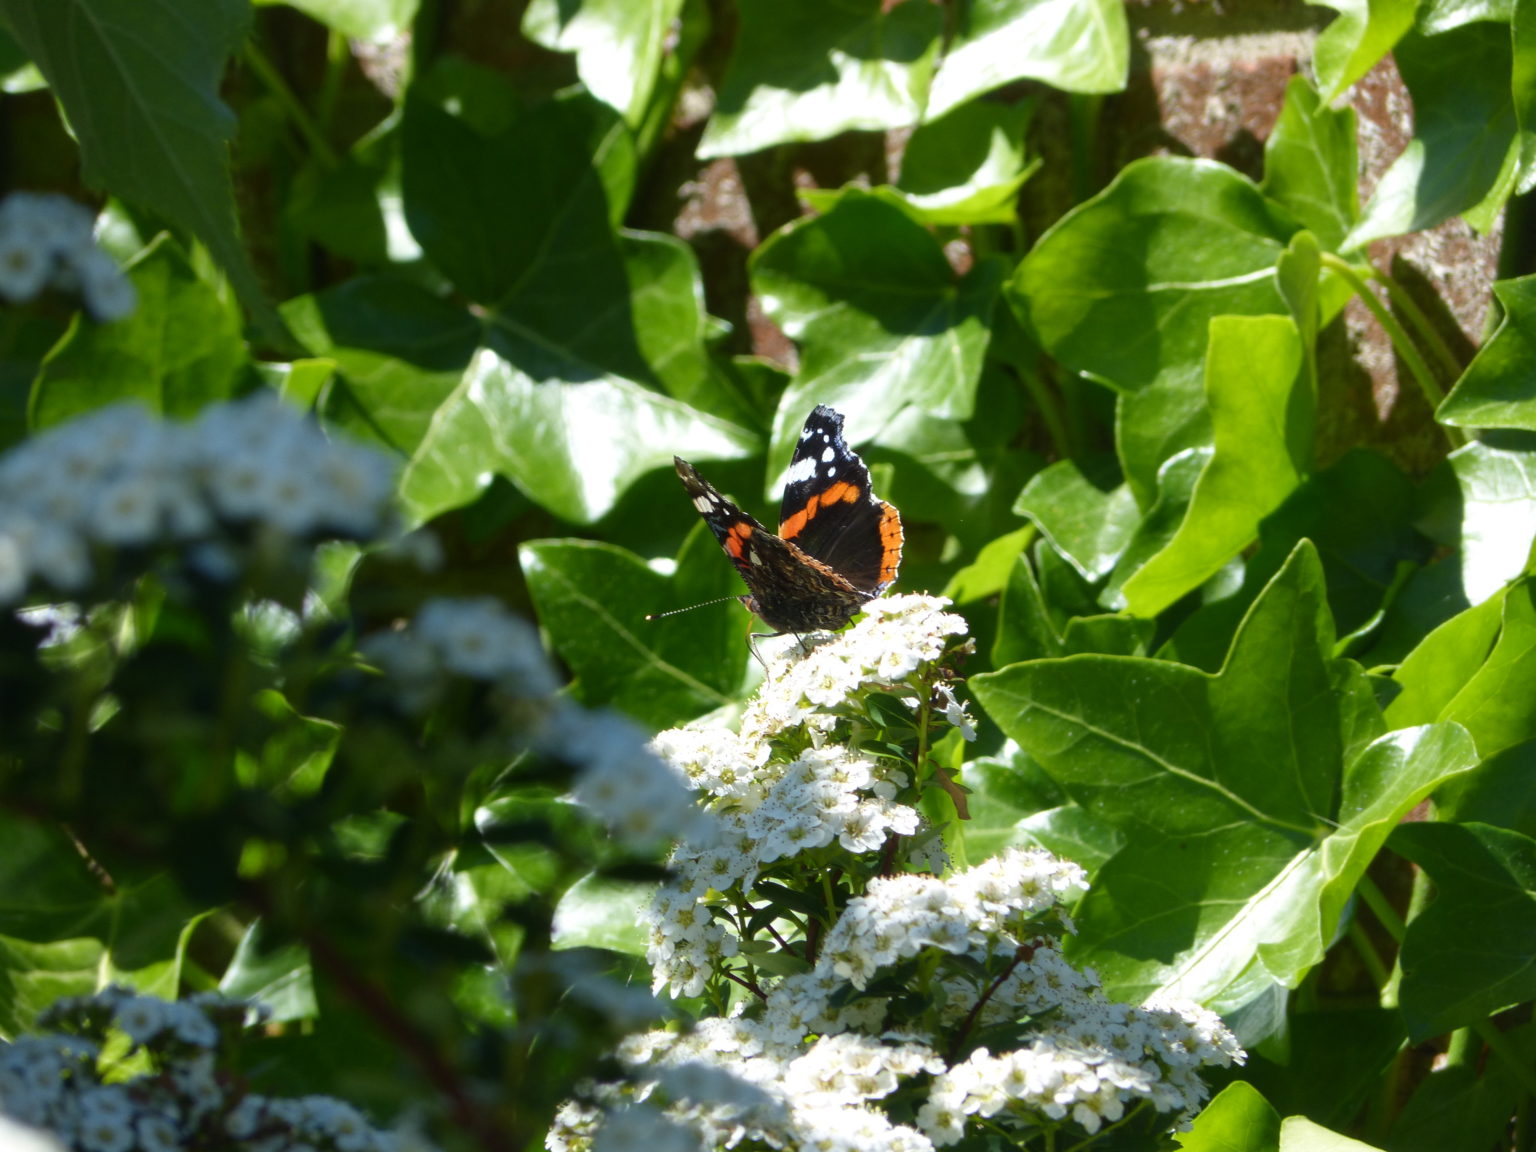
(837, 547)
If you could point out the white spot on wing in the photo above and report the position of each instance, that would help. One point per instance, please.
(754, 557)
(801, 470)
(828, 455)
(704, 503)
(807, 432)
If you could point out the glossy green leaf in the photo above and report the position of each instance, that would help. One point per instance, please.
(1457, 969)
(1074, 45)
(1462, 156)
(1176, 483)
(1465, 1106)
(276, 975)
(881, 318)
(1522, 29)
(671, 327)
(1363, 32)
(619, 45)
(1124, 287)
(1498, 492)
(377, 21)
(139, 81)
(63, 933)
(1357, 513)
(179, 349)
(1261, 418)
(1025, 630)
(1496, 390)
(1251, 800)
(809, 69)
(601, 913)
(503, 238)
(571, 447)
(593, 599)
(1439, 16)
(1491, 703)
(1237, 1120)
(966, 167)
(400, 349)
(1501, 792)
(987, 575)
(1088, 516)
(1311, 165)
(1443, 663)
(1298, 1134)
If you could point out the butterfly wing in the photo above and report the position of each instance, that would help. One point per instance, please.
(830, 511)
(791, 592)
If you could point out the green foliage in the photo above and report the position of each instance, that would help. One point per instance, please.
(1229, 634)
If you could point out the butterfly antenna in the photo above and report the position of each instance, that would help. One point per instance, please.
(690, 608)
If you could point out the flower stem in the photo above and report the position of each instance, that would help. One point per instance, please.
(1401, 342)
(1406, 304)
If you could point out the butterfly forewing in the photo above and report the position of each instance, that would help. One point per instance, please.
(830, 511)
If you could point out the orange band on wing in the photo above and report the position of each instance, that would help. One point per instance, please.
(840, 493)
(890, 543)
(736, 539)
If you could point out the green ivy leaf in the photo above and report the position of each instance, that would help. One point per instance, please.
(1495, 390)
(1298, 1134)
(1311, 164)
(1088, 516)
(1457, 969)
(1461, 160)
(505, 239)
(1443, 663)
(592, 599)
(139, 81)
(1482, 702)
(571, 447)
(809, 69)
(376, 21)
(1074, 45)
(400, 348)
(965, 168)
(1237, 1120)
(1261, 418)
(1363, 33)
(1251, 800)
(180, 349)
(1498, 493)
(597, 912)
(882, 320)
(1124, 287)
(63, 933)
(275, 975)
(619, 45)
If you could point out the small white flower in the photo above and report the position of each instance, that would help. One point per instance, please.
(142, 1018)
(25, 265)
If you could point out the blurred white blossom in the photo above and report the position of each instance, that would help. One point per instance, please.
(54, 1083)
(246, 475)
(46, 242)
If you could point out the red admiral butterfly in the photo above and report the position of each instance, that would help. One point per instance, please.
(837, 547)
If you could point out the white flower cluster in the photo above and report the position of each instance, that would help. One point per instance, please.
(1086, 1061)
(897, 635)
(249, 473)
(474, 637)
(1097, 1059)
(46, 242)
(769, 806)
(53, 1083)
